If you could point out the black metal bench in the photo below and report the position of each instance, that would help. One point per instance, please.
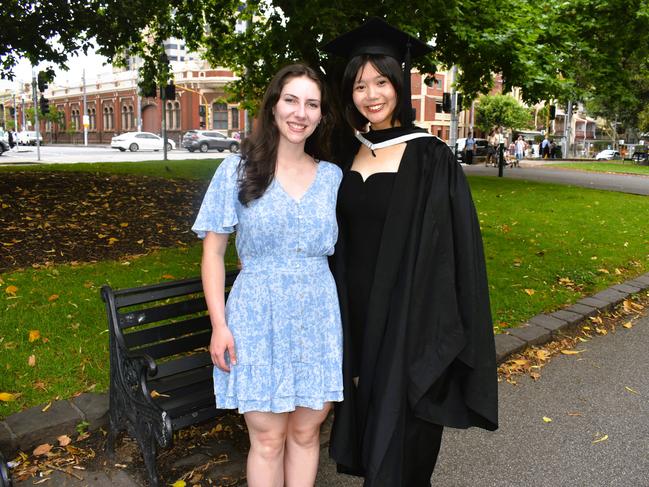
(160, 366)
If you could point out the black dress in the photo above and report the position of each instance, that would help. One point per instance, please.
(362, 206)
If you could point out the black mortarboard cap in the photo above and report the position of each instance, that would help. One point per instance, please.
(378, 37)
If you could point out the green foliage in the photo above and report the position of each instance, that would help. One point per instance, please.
(501, 111)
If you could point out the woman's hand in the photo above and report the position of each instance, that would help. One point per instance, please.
(222, 341)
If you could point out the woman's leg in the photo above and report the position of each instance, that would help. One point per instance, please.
(266, 456)
(303, 446)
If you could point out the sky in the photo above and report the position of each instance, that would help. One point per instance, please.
(92, 62)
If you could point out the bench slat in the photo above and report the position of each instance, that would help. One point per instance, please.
(152, 335)
(195, 417)
(169, 384)
(188, 399)
(177, 346)
(183, 364)
(161, 312)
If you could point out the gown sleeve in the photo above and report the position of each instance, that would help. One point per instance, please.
(218, 212)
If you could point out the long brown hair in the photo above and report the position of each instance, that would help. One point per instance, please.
(259, 151)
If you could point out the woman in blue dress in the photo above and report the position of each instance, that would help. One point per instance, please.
(277, 343)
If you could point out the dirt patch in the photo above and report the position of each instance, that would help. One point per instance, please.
(61, 217)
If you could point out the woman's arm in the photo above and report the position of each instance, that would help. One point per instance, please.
(213, 276)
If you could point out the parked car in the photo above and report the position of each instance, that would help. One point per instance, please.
(479, 152)
(607, 155)
(135, 141)
(204, 140)
(4, 146)
(28, 137)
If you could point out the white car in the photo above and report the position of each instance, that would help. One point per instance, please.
(28, 137)
(607, 155)
(135, 141)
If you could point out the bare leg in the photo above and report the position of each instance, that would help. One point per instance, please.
(303, 446)
(266, 456)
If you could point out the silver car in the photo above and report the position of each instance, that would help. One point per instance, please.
(204, 140)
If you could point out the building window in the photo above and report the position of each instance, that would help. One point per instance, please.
(438, 107)
(131, 117)
(173, 115)
(75, 119)
(92, 119)
(438, 83)
(220, 111)
(234, 112)
(109, 121)
(126, 125)
(176, 112)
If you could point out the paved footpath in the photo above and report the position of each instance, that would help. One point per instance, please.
(585, 395)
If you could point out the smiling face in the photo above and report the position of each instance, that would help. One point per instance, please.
(297, 112)
(374, 97)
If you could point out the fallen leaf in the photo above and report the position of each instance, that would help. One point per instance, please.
(574, 414)
(631, 390)
(179, 483)
(141, 241)
(628, 325)
(7, 397)
(47, 406)
(598, 440)
(31, 361)
(546, 419)
(572, 352)
(530, 292)
(11, 290)
(53, 297)
(167, 276)
(603, 271)
(155, 394)
(64, 440)
(112, 240)
(123, 225)
(34, 335)
(42, 449)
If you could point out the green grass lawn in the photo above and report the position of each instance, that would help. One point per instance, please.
(546, 246)
(605, 166)
(201, 169)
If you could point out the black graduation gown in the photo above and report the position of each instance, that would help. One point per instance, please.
(428, 344)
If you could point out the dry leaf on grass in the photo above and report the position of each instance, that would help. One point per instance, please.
(34, 335)
(42, 449)
(31, 361)
(7, 397)
(11, 290)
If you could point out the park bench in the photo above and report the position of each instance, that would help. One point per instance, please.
(160, 366)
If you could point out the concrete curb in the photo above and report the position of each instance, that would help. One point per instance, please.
(29, 428)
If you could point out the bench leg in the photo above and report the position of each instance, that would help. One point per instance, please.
(149, 447)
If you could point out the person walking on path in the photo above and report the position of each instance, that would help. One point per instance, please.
(418, 347)
(469, 147)
(521, 147)
(277, 343)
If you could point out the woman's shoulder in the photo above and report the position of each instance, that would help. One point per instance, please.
(331, 169)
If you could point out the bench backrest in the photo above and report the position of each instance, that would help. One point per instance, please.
(163, 321)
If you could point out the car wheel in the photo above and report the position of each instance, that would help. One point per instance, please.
(220, 149)
(234, 147)
(204, 147)
(169, 148)
(133, 147)
(190, 150)
(121, 149)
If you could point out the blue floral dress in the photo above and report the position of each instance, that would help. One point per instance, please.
(283, 308)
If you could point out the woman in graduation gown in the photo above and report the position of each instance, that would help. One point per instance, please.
(409, 265)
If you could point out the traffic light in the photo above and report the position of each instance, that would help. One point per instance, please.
(553, 112)
(170, 92)
(44, 105)
(459, 102)
(42, 81)
(446, 103)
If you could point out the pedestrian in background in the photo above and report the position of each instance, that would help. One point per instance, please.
(469, 147)
(492, 148)
(521, 146)
(409, 265)
(277, 343)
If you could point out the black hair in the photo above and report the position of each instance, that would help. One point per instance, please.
(259, 151)
(388, 67)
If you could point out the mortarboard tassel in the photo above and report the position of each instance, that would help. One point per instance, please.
(407, 103)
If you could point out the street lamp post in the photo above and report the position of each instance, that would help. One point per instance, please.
(36, 123)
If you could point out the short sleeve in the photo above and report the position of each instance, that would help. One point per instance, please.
(218, 212)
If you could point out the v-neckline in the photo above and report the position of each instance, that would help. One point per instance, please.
(306, 192)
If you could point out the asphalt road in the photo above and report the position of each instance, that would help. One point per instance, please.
(611, 182)
(73, 154)
(585, 395)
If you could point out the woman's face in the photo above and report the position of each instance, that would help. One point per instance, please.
(297, 111)
(374, 97)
